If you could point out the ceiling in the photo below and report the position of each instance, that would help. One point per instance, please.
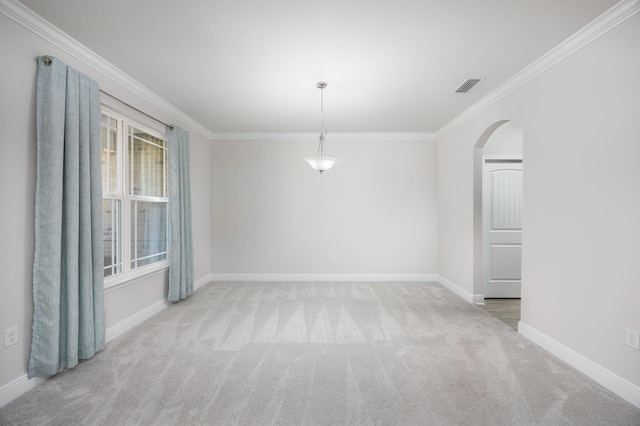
(252, 65)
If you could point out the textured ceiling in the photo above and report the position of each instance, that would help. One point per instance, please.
(252, 65)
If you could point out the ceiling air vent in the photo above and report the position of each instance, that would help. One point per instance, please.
(468, 84)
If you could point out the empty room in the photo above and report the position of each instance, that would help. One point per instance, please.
(288, 212)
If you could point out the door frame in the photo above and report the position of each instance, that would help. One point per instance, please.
(491, 159)
(478, 243)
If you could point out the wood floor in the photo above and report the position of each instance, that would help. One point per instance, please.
(506, 310)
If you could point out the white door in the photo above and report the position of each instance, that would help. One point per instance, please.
(501, 219)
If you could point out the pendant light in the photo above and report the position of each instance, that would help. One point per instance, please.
(321, 162)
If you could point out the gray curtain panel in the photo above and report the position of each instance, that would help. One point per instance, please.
(68, 295)
(180, 237)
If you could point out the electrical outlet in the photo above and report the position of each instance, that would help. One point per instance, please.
(332, 257)
(10, 336)
(633, 339)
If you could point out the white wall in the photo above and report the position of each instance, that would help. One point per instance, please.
(375, 211)
(17, 173)
(581, 282)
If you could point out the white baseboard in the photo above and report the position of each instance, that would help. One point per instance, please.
(469, 297)
(135, 319)
(616, 384)
(23, 384)
(478, 299)
(324, 277)
(17, 387)
(202, 281)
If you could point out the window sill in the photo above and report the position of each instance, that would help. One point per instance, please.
(123, 280)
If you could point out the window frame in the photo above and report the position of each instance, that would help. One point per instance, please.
(128, 274)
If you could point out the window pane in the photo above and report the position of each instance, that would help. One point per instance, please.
(111, 237)
(134, 176)
(148, 232)
(109, 155)
(147, 164)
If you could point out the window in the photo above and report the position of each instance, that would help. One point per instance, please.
(134, 187)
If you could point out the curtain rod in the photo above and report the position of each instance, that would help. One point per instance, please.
(136, 109)
(47, 61)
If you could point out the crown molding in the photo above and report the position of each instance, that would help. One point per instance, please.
(43, 28)
(345, 136)
(613, 17)
(610, 19)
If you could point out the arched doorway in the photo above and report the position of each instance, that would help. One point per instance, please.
(498, 156)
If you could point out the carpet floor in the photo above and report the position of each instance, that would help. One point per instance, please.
(266, 353)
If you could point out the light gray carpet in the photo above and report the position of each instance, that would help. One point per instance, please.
(321, 353)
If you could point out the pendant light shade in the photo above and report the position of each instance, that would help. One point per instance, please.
(321, 162)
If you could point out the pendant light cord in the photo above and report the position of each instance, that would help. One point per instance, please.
(323, 130)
